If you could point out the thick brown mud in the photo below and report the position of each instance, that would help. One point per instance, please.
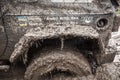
(68, 64)
(58, 65)
(41, 33)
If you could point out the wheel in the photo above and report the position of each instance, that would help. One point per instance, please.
(58, 65)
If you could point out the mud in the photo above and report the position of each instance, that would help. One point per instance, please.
(57, 62)
(35, 34)
(62, 63)
(109, 71)
(68, 64)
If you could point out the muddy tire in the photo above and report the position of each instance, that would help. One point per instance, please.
(58, 65)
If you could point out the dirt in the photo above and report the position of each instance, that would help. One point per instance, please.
(68, 64)
(73, 62)
(40, 33)
(54, 64)
(102, 73)
(60, 64)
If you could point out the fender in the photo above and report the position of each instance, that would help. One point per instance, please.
(35, 34)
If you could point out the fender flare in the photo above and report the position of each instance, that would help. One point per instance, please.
(34, 34)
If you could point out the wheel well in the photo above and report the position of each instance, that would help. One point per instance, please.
(84, 45)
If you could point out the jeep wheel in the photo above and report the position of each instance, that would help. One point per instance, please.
(58, 65)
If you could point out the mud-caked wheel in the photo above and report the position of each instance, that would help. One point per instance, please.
(58, 65)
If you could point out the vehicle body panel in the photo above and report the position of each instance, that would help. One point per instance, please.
(21, 15)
